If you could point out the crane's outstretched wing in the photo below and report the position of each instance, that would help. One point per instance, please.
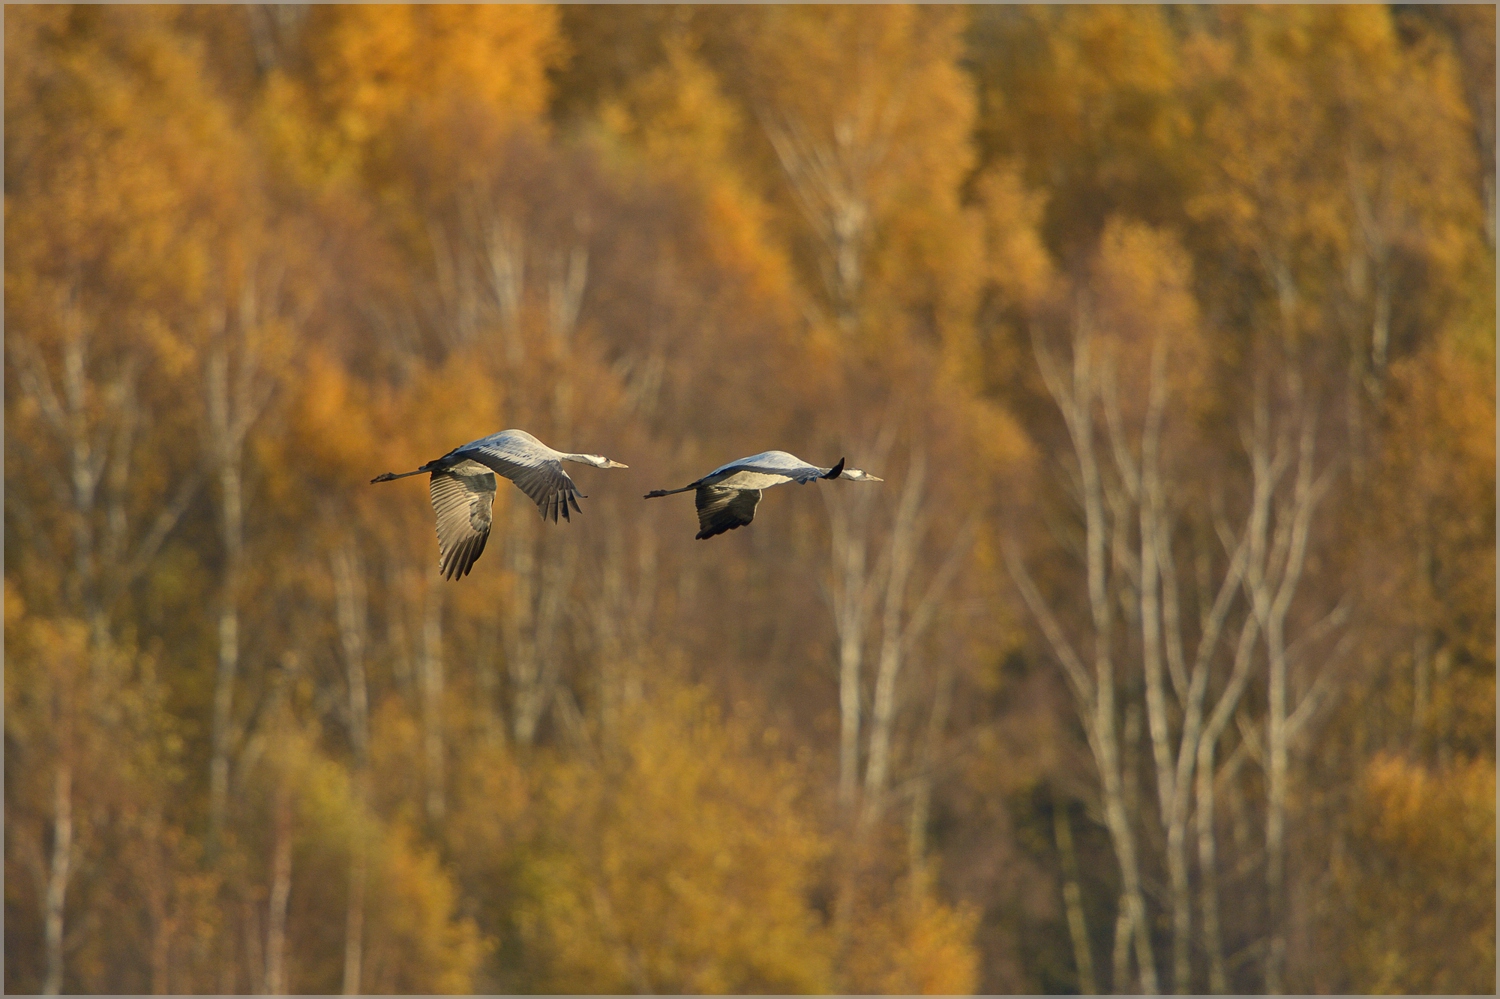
(462, 497)
(540, 476)
(721, 509)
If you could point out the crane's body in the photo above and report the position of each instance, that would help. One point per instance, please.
(463, 489)
(727, 496)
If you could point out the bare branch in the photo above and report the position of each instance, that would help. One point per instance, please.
(1078, 676)
(166, 519)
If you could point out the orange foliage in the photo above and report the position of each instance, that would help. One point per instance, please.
(608, 759)
(1421, 874)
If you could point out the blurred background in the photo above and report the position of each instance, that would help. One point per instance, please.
(1164, 658)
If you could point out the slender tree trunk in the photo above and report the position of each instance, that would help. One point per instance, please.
(620, 617)
(224, 444)
(432, 704)
(1208, 871)
(236, 393)
(565, 292)
(543, 663)
(348, 577)
(851, 592)
(354, 915)
(1182, 907)
(1271, 602)
(606, 617)
(1276, 824)
(1148, 499)
(505, 255)
(531, 630)
(1121, 953)
(57, 876)
(1208, 741)
(281, 889)
(85, 468)
(1190, 747)
(937, 720)
(904, 537)
(89, 458)
(1107, 750)
(1078, 931)
(224, 680)
(520, 623)
(849, 669)
(1117, 818)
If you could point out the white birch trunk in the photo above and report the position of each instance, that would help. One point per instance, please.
(351, 609)
(281, 889)
(1078, 931)
(1094, 693)
(226, 457)
(852, 594)
(236, 393)
(905, 536)
(57, 876)
(432, 704)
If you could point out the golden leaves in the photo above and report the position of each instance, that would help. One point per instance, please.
(681, 864)
(714, 231)
(1424, 887)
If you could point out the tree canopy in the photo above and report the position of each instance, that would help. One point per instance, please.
(1163, 658)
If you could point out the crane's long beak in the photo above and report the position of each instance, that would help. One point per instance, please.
(615, 464)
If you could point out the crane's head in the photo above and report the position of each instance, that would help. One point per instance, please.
(859, 475)
(599, 461)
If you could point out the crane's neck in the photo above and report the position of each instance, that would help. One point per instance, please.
(597, 460)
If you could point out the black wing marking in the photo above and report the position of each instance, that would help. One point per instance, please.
(721, 509)
(542, 479)
(462, 498)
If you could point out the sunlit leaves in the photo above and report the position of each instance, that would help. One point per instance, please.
(680, 864)
(675, 235)
(1421, 873)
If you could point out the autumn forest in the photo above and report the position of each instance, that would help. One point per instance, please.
(1162, 660)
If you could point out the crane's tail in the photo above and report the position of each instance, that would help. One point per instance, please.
(388, 476)
(835, 471)
(653, 494)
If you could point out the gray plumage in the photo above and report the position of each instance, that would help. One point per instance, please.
(727, 496)
(463, 490)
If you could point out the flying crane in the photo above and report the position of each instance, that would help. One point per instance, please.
(728, 495)
(463, 490)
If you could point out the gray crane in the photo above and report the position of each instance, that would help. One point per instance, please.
(463, 490)
(728, 495)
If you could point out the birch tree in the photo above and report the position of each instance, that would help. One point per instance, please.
(350, 597)
(1131, 350)
(243, 355)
